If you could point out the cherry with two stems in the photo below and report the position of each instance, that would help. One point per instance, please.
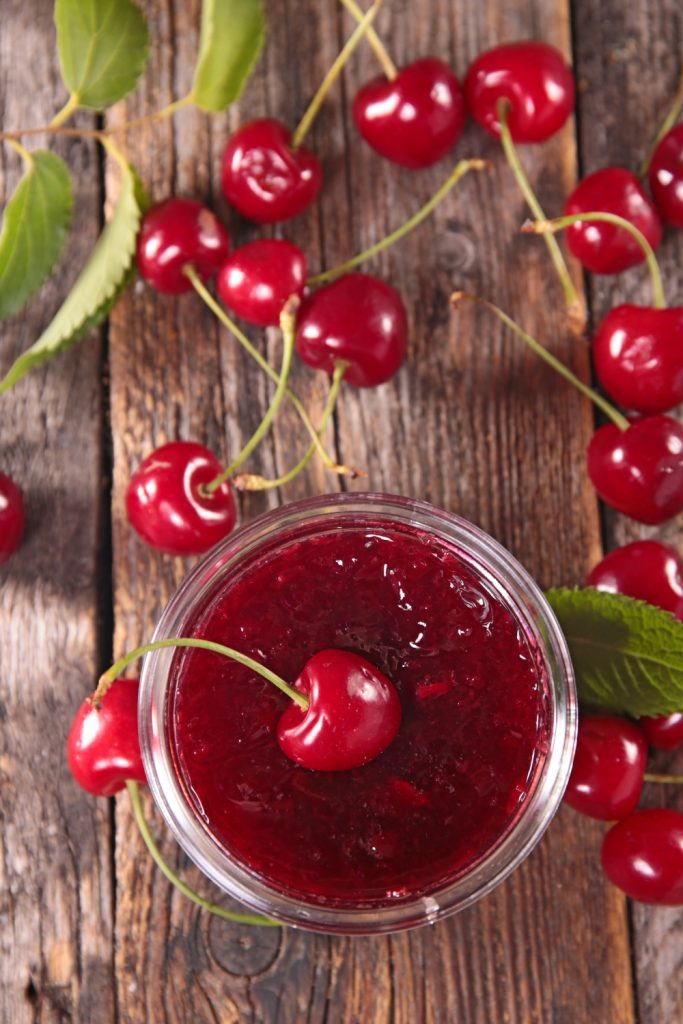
(609, 766)
(12, 517)
(175, 233)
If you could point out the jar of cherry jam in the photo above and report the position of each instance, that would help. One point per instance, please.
(463, 792)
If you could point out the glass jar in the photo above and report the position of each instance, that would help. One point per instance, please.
(500, 575)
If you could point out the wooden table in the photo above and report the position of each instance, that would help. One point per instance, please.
(91, 932)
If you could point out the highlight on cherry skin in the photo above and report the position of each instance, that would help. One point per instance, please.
(257, 279)
(535, 79)
(103, 747)
(646, 570)
(664, 732)
(12, 517)
(666, 177)
(177, 232)
(414, 119)
(643, 855)
(168, 504)
(607, 775)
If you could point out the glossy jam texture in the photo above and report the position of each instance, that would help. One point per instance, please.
(474, 731)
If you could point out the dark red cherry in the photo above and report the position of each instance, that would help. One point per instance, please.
(12, 517)
(536, 80)
(638, 356)
(263, 177)
(414, 119)
(167, 506)
(639, 471)
(103, 748)
(608, 769)
(666, 177)
(175, 233)
(604, 248)
(256, 280)
(357, 318)
(643, 856)
(665, 732)
(645, 569)
(353, 715)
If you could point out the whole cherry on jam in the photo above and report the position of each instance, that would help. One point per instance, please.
(175, 233)
(666, 177)
(639, 471)
(12, 517)
(354, 713)
(643, 856)
(264, 177)
(415, 118)
(257, 279)
(645, 569)
(608, 769)
(167, 501)
(638, 356)
(605, 248)
(103, 747)
(536, 81)
(358, 319)
(664, 732)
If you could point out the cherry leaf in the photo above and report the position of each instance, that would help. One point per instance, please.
(34, 228)
(627, 655)
(231, 39)
(108, 271)
(103, 48)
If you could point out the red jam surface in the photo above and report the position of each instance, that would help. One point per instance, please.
(472, 739)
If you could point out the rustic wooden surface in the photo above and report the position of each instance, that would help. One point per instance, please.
(90, 931)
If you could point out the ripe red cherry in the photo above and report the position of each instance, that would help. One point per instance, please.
(103, 748)
(256, 280)
(666, 177)
(263, 177)
(645, 569)
(605, 248)
(638, 356)
(665, 732)
(639, 471)
(167, 507)
(608, 769)
(175, 233)
(535, 79)
(353, 715)
(12, 517)
(643, 856)
(359, 319)
(414, 119)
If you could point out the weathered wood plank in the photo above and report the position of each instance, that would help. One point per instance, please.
(56, 927)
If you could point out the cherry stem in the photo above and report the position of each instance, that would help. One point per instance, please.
(332, 75)
(249, 482)
(108, 677)
(670, 780)
(454, 177)
(287, 326)
(665, 127)
(169, 873)
(572, 299)
(246, 344)
(380, 50)
(547, 227)
(609, 410)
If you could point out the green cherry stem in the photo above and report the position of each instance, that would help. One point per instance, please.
(332, 75)
(249, 482)
(571, 296)
(616, 417)
(665, 127)
(545, 227)
(169, 873)
(459, 171)
(380, 50)
(669, 780)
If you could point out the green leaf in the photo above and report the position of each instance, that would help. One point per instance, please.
(103, 48)
(34, 228)
(627, 655)
(107, 273)
(231, 40)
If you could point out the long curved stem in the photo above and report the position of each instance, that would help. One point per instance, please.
(453, 178)
(564, 371)
(571, 296)
(547, 227)
(380, 50)
(332, 75)
(169, 873)
(665, 127)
